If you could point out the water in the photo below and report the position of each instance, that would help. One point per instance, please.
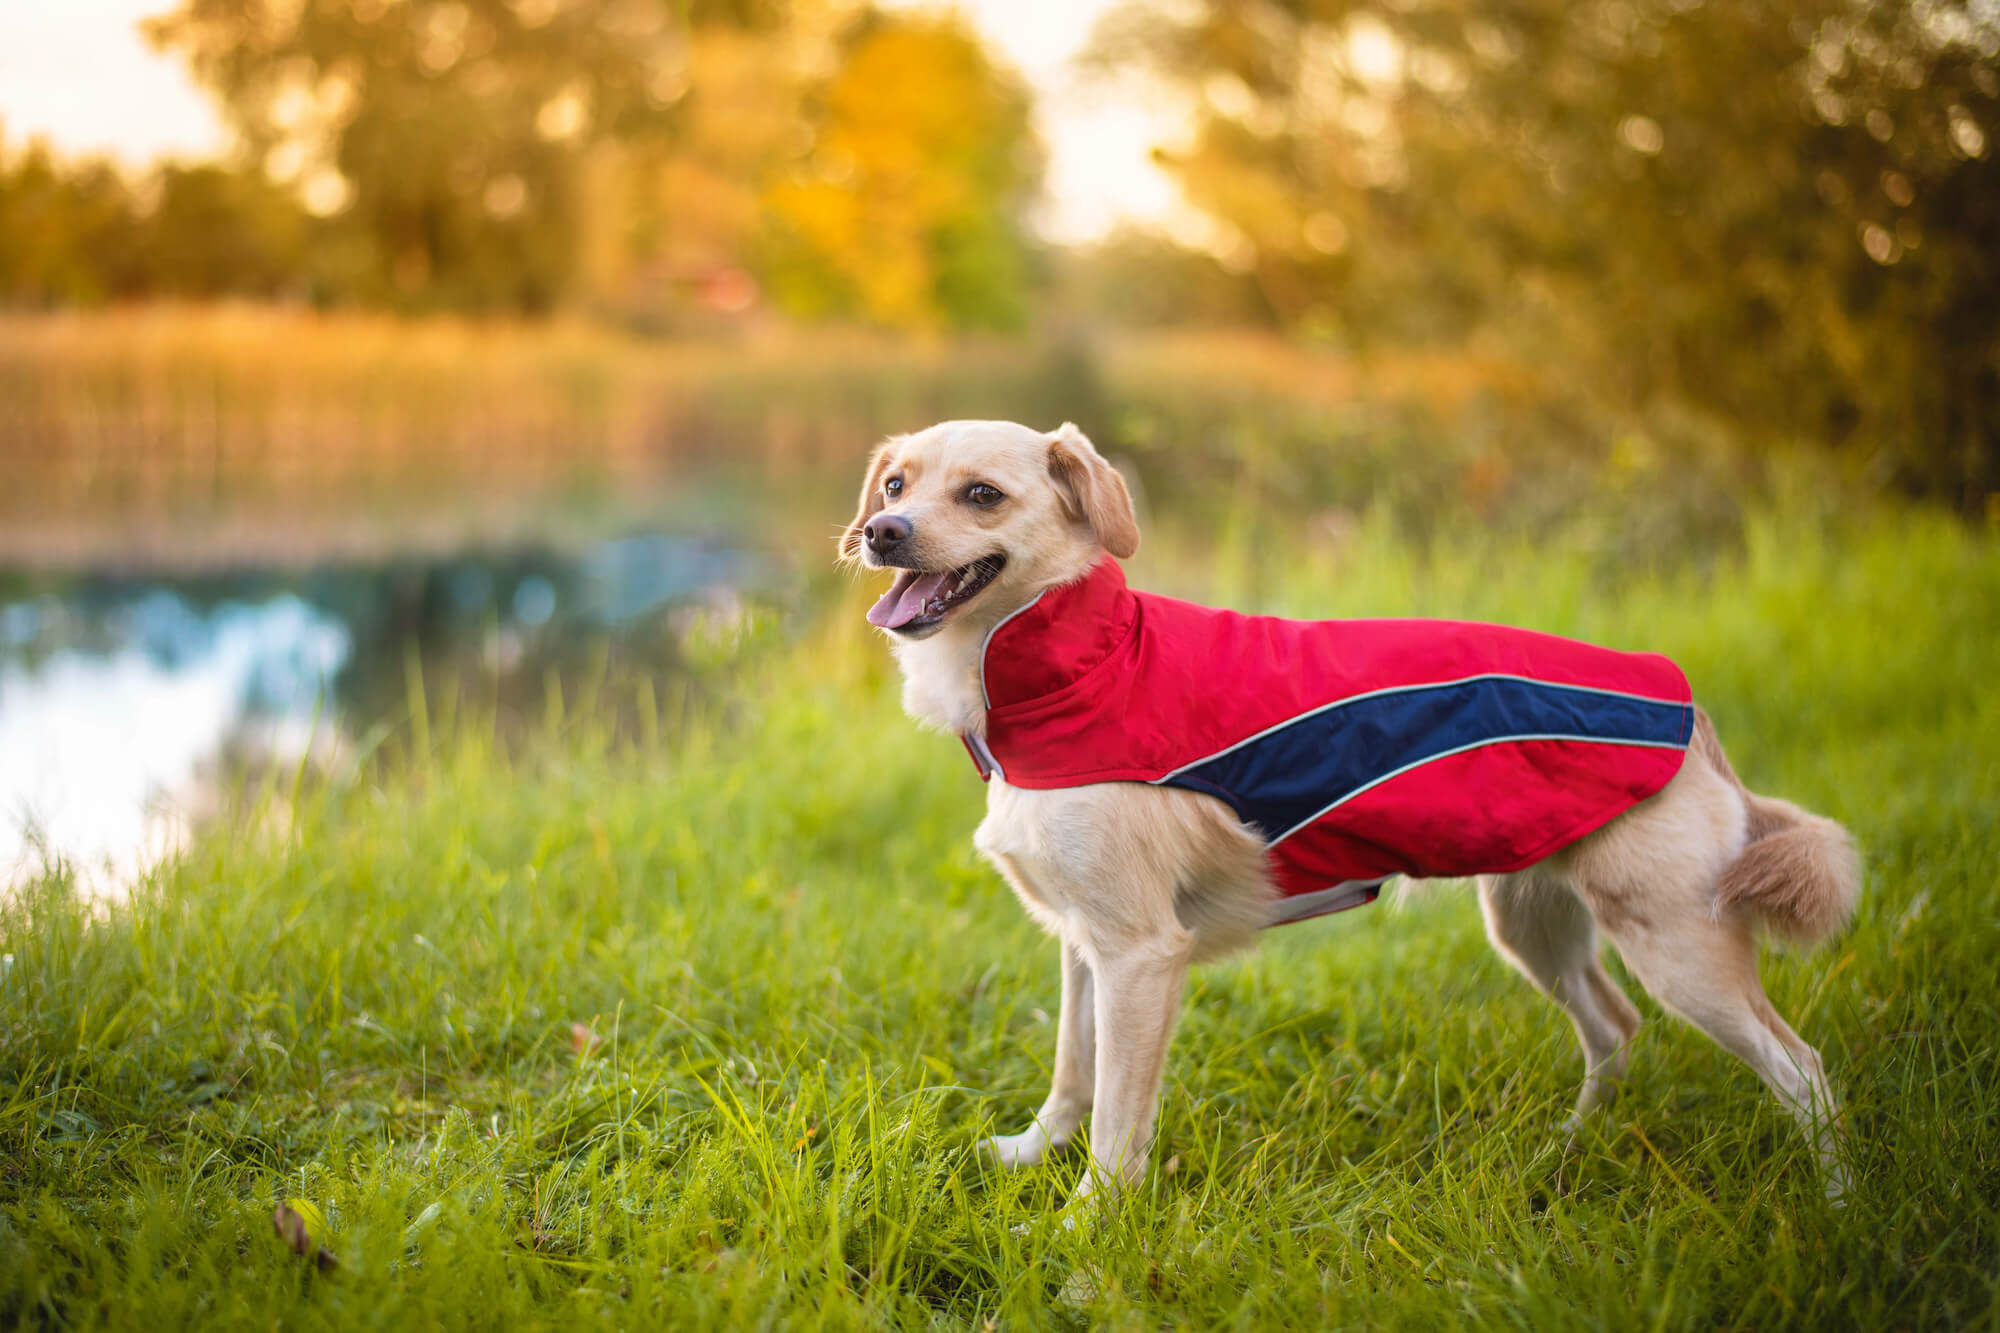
(126, 700)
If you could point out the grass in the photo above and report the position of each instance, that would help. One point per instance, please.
(803, 998)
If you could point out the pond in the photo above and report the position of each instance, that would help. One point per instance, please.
(128, 698)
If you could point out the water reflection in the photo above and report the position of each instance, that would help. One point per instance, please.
(103, 740)
(123, 698)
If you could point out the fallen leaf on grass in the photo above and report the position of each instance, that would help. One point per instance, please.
(300, 1226)
(416, 1229)
(582, 1040)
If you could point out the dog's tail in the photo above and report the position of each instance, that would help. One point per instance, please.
(1798, 875)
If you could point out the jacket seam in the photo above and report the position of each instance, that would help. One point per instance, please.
(1027, 707)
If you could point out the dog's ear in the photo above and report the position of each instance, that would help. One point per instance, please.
(871, 501)
(1093, 491)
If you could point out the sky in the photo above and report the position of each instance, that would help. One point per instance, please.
(78, 73)
(1099, 139)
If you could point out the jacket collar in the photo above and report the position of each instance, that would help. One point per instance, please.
(1058, 638)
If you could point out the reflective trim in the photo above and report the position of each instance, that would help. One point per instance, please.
(1343, 799)
(1286, 777)
(1323, 902)
(986, 642)
(982, 756)
(1343, 702)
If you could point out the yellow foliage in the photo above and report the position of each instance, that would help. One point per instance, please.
(919, 137)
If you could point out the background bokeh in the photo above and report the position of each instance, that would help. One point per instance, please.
(445, 781)
(1775, 218)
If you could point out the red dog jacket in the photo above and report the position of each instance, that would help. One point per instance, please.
(1358, 749)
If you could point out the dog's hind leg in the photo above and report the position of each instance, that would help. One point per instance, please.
(1705, 971)
(1071, 1089)
(1652, 878)
(1539, 926)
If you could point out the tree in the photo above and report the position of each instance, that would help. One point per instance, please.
(1138, 278)
(65, 233)
(650, 159)
(1783, 211)
(215, 232)
(907, 209)
(448, 135)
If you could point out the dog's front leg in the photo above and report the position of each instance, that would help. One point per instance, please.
(1075, 1077)
(1138, 999)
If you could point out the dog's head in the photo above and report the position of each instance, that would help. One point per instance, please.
(979, 516)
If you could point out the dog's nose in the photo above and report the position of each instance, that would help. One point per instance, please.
(885, 531)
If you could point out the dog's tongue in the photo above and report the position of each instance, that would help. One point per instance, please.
(905, 599)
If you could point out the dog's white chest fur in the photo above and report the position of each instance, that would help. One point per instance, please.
(941, 681)
(1030, 841)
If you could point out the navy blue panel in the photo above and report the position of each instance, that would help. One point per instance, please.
(1280, 780)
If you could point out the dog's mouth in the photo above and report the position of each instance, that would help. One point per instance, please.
(917, 601)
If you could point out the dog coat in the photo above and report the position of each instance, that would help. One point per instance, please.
(1357, 749)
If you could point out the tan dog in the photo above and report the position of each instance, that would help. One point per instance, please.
(1139, 881)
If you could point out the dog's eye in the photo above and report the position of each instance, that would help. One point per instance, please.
(983, 495)
(893, 487)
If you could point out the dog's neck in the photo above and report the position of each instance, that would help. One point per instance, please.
(941, 680)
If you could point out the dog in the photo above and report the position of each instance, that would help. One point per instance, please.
(1166, 781)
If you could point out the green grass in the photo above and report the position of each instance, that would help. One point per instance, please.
(812, 998)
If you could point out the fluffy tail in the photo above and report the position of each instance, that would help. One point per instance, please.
(1799, 875)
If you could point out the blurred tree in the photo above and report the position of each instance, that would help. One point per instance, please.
(651, 159)
(1785, 211)
(449, 135)
(1138, 278)
(215, 232)
(672, 228)
(907, 207)
(65, 234)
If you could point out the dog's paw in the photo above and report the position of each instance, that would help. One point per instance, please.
(1014, 1151)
